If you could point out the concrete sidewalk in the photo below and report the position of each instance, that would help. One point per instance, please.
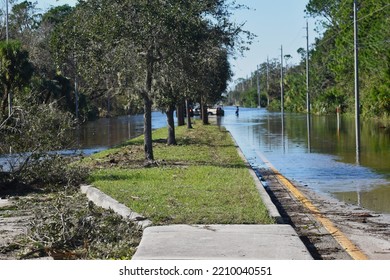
(262, 242)
(218, 242)
(212, 242)
(230, 242)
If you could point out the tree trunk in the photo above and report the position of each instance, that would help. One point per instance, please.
(189, 125)
(180, 115)
(171, 126)
(148, 142)
(5, 102)
(205, 115)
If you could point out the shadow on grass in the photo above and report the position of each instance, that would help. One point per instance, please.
(172, 163)
(116, 177)
(215, 145)
(204, 142)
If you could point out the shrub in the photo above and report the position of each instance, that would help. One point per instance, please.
(30, 141)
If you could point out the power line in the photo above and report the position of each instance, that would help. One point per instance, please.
(376, 11)
(351, 24)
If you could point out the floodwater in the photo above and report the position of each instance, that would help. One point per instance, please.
(96, 136)
(323, 158)
(104, 133)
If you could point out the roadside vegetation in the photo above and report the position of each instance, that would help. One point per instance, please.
(48, 214)
(202, 180)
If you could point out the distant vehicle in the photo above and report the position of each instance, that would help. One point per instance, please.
(191, 112)
(217, 111)
(197, 110)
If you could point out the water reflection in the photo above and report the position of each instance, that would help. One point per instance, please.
(317, 151)
(108, 132)
(376, 199)
(308, 123)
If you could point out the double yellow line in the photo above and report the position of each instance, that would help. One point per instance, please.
(339, 236)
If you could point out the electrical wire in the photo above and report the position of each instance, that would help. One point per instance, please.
(351, 24)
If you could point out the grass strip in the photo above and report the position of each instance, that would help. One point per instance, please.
(202, 180)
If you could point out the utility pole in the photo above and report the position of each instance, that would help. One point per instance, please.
(267, 81)
(307, 90)
(6, 20)
(357, 102)
(281, 81)
(76, 93)
(258, 84)
(7, 39)
(307, 69)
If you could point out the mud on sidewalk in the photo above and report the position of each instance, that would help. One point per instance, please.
(369, 231)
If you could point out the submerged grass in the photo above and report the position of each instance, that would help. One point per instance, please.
(202, 180)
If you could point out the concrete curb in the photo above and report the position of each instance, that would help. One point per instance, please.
(272, 210)
(107, 202)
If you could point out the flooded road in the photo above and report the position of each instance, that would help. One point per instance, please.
(325, 159)
(95, 136)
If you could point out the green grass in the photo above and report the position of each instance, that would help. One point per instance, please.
(202, 180)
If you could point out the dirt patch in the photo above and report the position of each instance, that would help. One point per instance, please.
(13, 223)
(127, 157)
(368, 230)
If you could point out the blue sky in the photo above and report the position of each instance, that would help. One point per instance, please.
(44, 4)
(275, 22)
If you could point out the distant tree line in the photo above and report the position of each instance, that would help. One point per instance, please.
(331, 64)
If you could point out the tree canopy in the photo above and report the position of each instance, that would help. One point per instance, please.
(15, 70)
(110, 57)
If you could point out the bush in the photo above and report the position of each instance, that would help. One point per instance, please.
(274, 105)
(30, 140)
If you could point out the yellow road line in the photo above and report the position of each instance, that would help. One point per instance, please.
(340, 237)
